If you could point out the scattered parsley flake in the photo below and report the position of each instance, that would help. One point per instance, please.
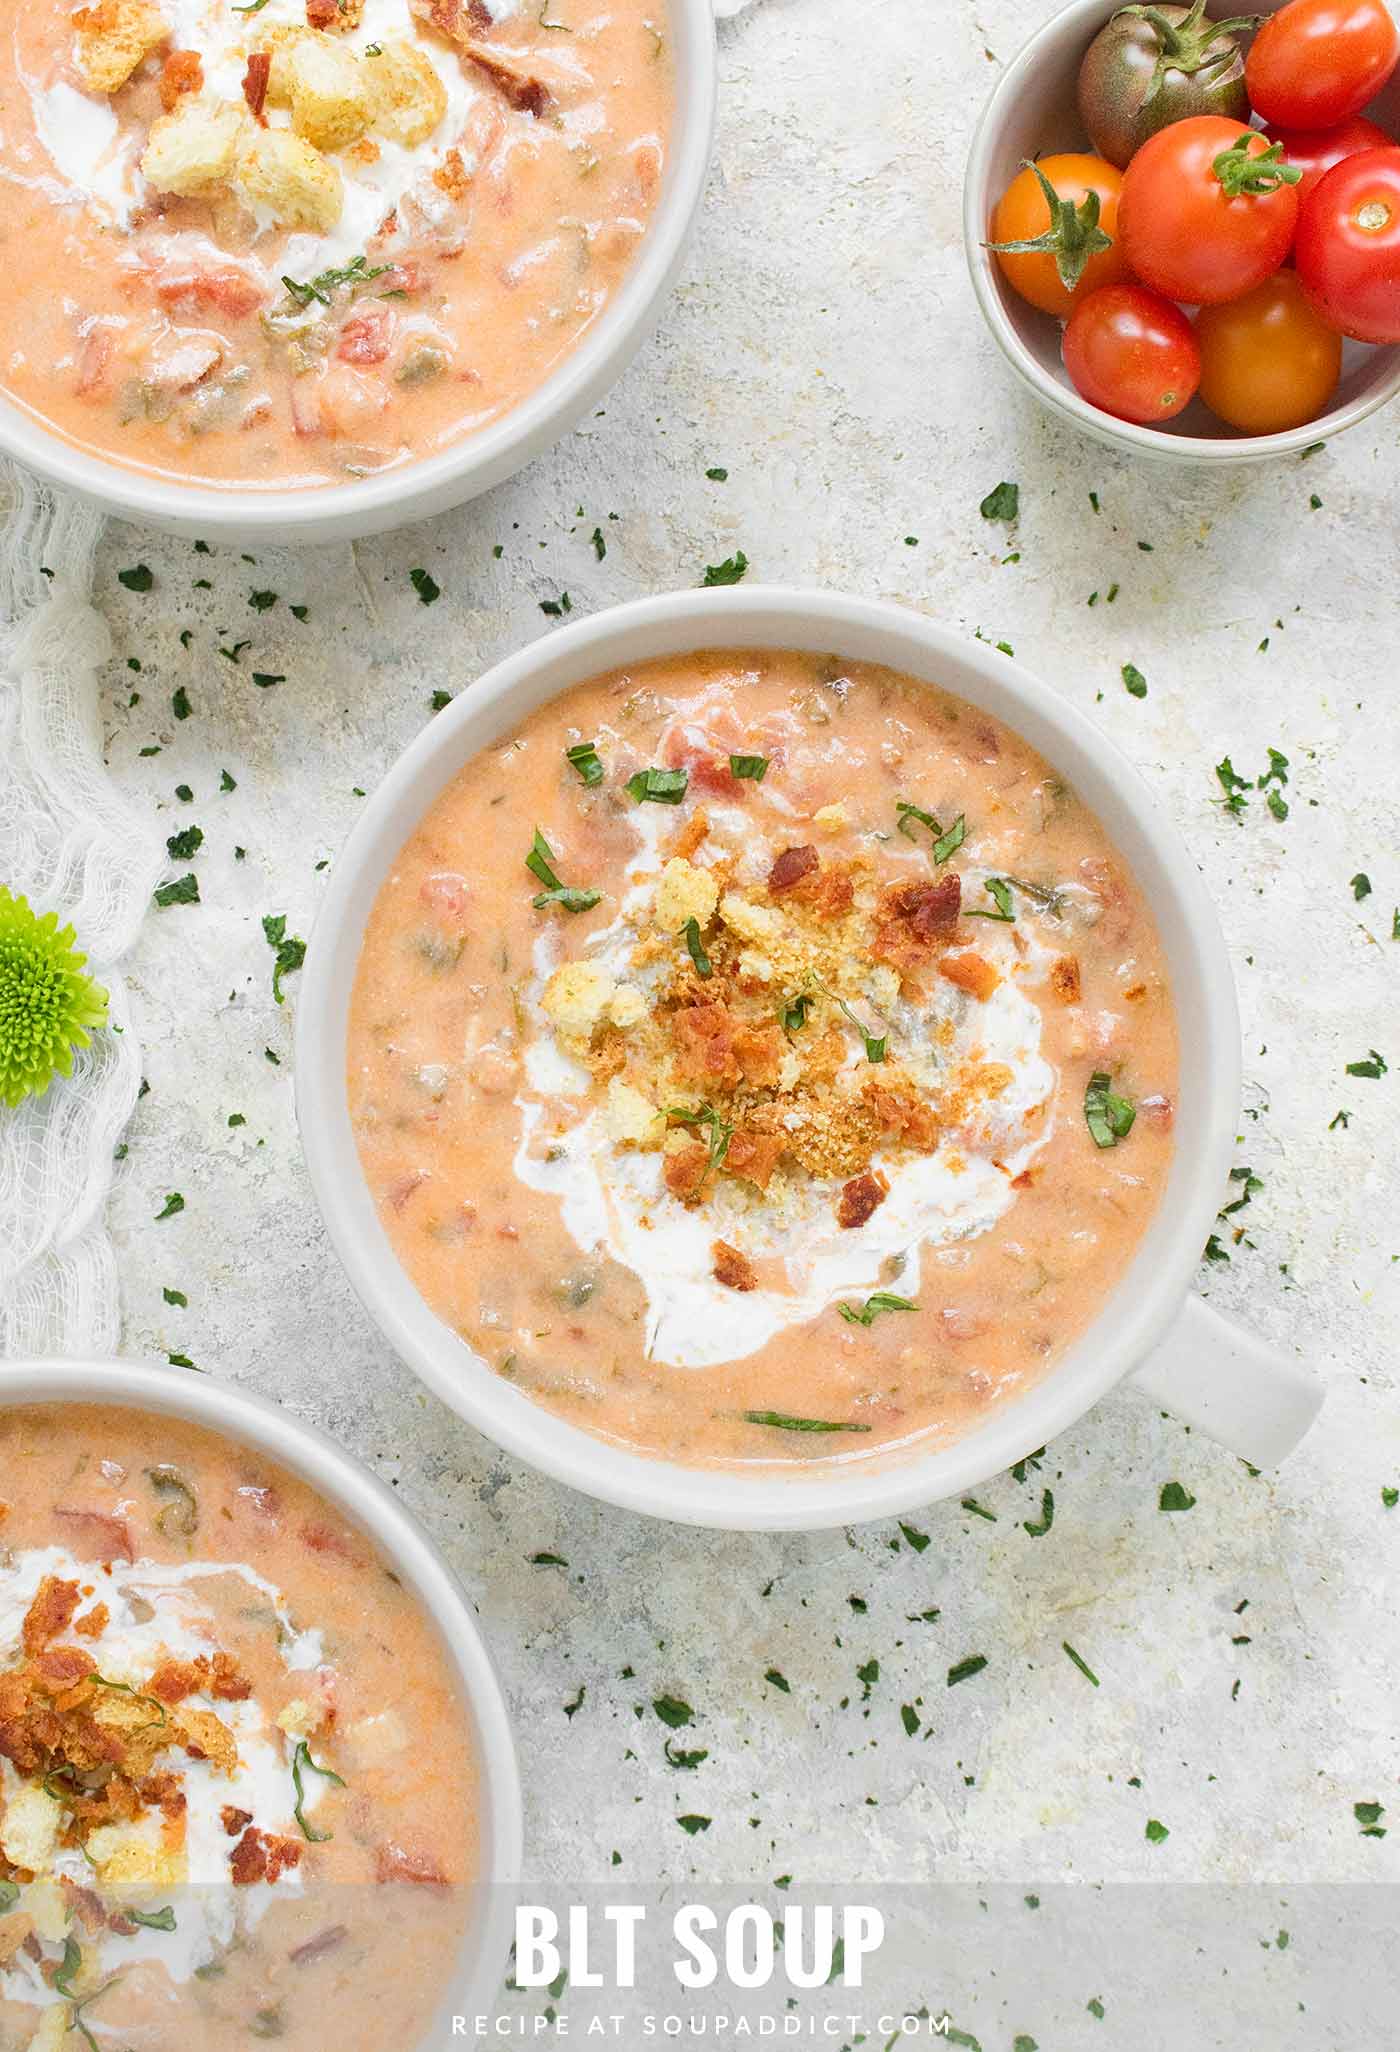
(184, 891)
(428, 590)
(1175, 1497)
(556, 608)
(1134, 683)
(1003, 502)
(1374, 1066)
(288, 950)
(1360, 886)
(186, 844)
(180, 703)
(174, 1204)
(731, 571)
(1083, 1665)
(965, 1669)
(717, 475)
(1156, 1834)
(138, 578)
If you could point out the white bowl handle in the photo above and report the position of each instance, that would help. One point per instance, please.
(1221, 1379)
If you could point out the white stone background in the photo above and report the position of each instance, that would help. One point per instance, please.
(825, 348)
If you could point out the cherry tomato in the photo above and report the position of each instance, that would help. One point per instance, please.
(1132, 353)
(1267, 361)
(1208, 210)
(1145, 69)
(1070, 259)
(1316, 61)
(1348, 253)
(1315, 150)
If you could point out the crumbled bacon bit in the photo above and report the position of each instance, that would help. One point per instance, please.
(260, 1856)
(972, 973)
(62, 1667)
(181, 73)
(759, 1051)
(901, 1108)
(452, 176)
(173, 1680)
(235, 1822)
(915, 918)
(226, 1684)
(754, 1156)
(50, 1613)
(684, 1169)
(691, 834)
(705, 1043)
(790, 867)
(395, 1863)
(829, 891)
(732, 1268)
(1065, 980)
(255, 82)
(219, 1677)
(860, 1198)
(94, 1622)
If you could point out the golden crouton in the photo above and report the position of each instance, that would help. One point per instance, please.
(683, 893)
(751, 922)
(831, 816)
(331, 97)
(577, 996)
(207, 1736)
(281, 44)
(627, 1006)
(192, 151)
(29, 1828)
(409, 97)
(296, 184)
(630, 1119)
(114, 37)
(13, 1932)
(301, 1719)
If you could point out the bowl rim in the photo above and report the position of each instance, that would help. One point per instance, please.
(1082, 18)
(240, 1414)
(473, 463)
(1127, 1326)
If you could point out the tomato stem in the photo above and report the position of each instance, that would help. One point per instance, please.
(1240, 173)
(1192, 44)
(1074, 234)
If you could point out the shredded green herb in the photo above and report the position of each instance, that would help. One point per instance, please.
(659, 786)
(873, 1306)
(782, 1423)
(720, 1131)
(540, 863)
(731, 571)
(754, 768)
(323, 287)
(584, 758)
(301, 1759)
(695, 947)
(289, 952)
(1108, 1116)
(999, 890)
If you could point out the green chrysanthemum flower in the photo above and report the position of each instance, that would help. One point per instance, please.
(47, 1005)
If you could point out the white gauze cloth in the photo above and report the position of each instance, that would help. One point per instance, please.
(72, 845)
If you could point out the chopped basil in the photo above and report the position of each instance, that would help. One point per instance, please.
(584, 758)
(730, 571)
(153, 1920)
(876, 1045)
(780, 1423)
(325, 284)
(794, 1013)
(540, 863)
(881, 1301)
(690, 933)
(659, 786)
(951, 841)
(1003, 502)
(912, 815)
(1374, 1066)
(721, 1132)
(1108, 1116)
(754, 768)
(301, 1759)
(999, 890)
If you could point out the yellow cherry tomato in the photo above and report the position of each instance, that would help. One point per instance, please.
(1267, 361)
(1072, 262)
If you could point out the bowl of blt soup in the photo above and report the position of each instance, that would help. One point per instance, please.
(256, 1774)
(312, 268)
(765, 1061)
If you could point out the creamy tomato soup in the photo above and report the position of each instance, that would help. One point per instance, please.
(236, 1783)
(761, 1057)
(287, 243)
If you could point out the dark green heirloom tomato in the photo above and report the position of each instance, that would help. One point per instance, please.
(1150, 66)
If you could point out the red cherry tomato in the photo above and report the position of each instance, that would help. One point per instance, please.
(1348, 253)
(1314, 151)
(1317, 61)
(1207, 211)
(1133, 354)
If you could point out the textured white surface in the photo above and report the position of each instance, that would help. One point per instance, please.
(824, 348)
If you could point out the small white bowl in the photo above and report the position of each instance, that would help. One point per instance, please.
(250, 1421)
(1219, 1377)
(1033, 112)
(413, 491)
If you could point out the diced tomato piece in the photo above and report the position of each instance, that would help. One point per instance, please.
(224, 287)
(366, 336)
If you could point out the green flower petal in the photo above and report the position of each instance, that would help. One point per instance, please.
(48, 1007)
